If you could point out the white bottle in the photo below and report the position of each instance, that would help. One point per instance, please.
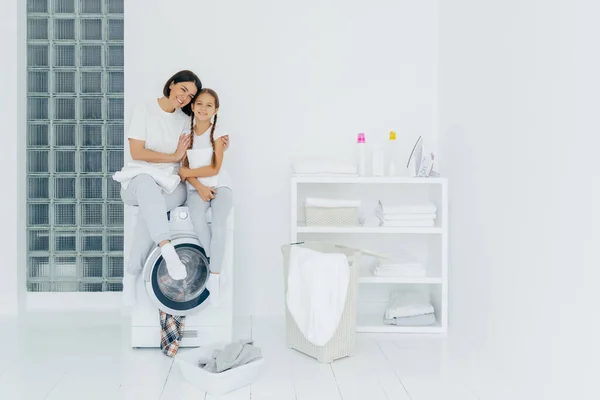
(361, 154)
(392, 155)
(392, 170)
(378, 162)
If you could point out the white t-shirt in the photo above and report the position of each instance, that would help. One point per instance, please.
(159, 129)
(200, 155)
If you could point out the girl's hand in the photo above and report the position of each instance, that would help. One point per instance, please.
(207, 193)
(182, 147)
(184, 173)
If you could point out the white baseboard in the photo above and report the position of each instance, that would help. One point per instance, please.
(73, 301)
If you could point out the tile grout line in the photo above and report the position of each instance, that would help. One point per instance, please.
(393, 369)
(293, 373)
(167, 378)
(383, 389)
(286, 358)
(56, 384)
(337, 384)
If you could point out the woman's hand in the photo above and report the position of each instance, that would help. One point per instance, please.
(206, 193)
(182, 147)
(225, 140)
(184, 173)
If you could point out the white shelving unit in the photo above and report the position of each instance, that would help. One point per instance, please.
(429, 245)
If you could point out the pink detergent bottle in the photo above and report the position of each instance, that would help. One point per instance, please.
(361, 155)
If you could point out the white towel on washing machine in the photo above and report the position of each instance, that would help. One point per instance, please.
(165, 176)
(316, 293)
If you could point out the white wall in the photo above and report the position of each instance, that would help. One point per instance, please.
(9, 106)
(519, 101)
(300, 78)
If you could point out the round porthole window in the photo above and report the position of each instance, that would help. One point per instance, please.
(180, 297)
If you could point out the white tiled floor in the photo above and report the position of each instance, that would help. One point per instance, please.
(87, 357)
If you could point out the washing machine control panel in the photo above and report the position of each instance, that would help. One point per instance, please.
(181, 221)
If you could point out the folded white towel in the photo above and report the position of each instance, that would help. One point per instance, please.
(165, 176)
(400, 272)
(409, 271)
(316, 293)
(407, 223)
(417, 320)
(424, 208)
(404, 217)
(399, 261)
(324, 175)
(319, 202)
(408, 304)
(324, 168)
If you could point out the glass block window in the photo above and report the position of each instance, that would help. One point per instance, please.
(74, 145)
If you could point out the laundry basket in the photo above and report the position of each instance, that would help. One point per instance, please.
(331, 216)
(343, 342)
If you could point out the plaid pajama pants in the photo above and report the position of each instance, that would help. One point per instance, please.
(171, 329)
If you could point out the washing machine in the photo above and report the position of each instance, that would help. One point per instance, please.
(204, 323)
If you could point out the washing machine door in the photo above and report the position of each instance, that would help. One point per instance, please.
(178, 297)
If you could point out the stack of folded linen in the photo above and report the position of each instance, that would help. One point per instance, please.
(400, 266)
(406, 215)
(409, 308)
(322, 168)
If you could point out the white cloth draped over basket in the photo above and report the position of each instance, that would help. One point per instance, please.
(316, 294)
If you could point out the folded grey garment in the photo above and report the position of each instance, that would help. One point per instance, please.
(207, 364)
(417, 320)
(233, 355)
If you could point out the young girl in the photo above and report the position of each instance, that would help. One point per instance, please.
(209, 185)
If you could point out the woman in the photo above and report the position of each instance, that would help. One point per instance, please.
(157, 145)
(209, 185)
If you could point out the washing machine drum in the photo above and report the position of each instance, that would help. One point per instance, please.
(178, 297)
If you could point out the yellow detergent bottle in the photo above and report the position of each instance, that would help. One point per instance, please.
(392, 155)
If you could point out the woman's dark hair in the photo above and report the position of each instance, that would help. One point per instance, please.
(183, 76)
